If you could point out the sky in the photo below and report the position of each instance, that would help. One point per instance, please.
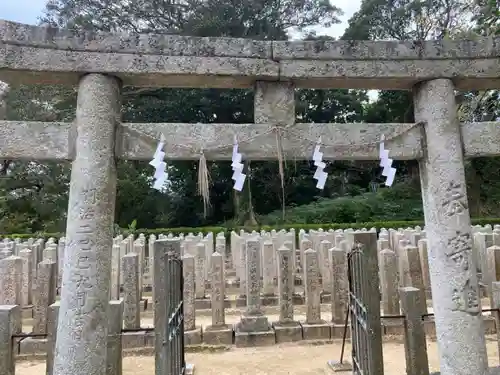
(28, 11)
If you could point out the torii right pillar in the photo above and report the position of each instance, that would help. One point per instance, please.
(455, 288)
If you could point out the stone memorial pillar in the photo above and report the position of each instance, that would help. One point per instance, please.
(131, 294)
(83, 319)
(455, 289)
(253, 328)
(219, 333)
(286, 329)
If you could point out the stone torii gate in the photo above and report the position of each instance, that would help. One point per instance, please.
(100, 64)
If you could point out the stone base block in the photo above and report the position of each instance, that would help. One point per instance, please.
(298, 299)
(193, 337)
(230, 273)
(269, 300)
(429, 327)
(337, 366)
(253, 323)
(218, 335)
(253, 339)
(393, 327)
(131, 340)
(326, 298)
(489, 325)
(27, 312)
(149, 339)
(241, 301)
(338, 331)
(32, 345)
(202, 304)
(318, 331)
(287, 332)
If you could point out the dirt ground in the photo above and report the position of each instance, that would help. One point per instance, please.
(289, 359)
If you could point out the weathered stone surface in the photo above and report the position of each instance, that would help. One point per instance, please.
(137, 141)
(114, 346)
(131, 299)
(44, 295)
(459, 325)
(82, 328)
(386, 50)
(126, 43)
(10, 321)
(389, 282)
(11, 280)
(188, 270)
(53, 315)
(417, 362)
(217, 294)
(60, 56)
(285, 284)
(312, 289)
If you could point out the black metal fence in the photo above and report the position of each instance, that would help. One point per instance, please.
(365, 336)
(174, 334)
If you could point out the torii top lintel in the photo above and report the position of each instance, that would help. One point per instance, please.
(33, 54)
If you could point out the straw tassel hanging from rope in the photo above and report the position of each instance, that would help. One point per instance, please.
(204, 183)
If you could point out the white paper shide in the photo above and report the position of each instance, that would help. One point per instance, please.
(385, 162)
(320, 175)
(159, 165)
(238, 175)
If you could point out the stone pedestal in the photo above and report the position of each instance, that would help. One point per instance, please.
(193, 336)
(218, 335)
(253, 328)
(287, 332)
(250, 339)
(316, 331)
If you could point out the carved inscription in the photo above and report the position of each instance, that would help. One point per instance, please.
(462, 249)
(82, 275)
(466, 299)
(455, 202)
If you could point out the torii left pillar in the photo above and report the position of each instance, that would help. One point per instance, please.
(82, 325)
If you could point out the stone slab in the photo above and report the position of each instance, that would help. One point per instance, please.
(269, 300)
(298, 299)
(222, 335)
(193, 337)
(254, 339)
(202, 304)
(287, 332)
(32, 345)
(393, 327)
(326, 298)
(337, 366)
(253, 323)
(28, 140)
(131, 340)
(241, 302)
(37, 54)
(320, 331)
